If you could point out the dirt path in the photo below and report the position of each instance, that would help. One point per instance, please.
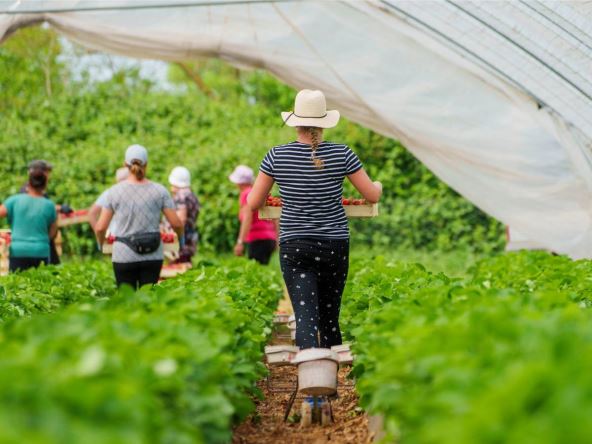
(266, 425)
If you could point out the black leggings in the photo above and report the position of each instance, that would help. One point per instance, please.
(261, 250)
(24, 263)
(137, 274)
(315, 272)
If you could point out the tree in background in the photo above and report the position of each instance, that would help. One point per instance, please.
(225, 118)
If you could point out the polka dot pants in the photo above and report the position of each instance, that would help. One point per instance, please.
(315, 272)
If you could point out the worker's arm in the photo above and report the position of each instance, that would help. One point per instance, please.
(182, 214)
(93, 215)
(53, 230)
(261, 188)
(245, 227)
(371, 191)
(3, 211)
(175, 222)
(102, 225)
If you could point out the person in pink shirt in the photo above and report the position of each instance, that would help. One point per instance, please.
(260, 236)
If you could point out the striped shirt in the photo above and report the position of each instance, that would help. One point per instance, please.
(311, 197)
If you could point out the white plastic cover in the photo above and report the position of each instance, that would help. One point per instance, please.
(493, 97)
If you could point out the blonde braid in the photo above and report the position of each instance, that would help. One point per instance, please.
(314, 136)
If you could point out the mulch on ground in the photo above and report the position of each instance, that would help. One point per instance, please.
(267, 426)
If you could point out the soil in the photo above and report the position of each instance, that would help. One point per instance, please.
(267, 426)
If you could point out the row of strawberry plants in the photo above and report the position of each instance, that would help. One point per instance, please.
(173, 364)
(500, 356)
(47, 289)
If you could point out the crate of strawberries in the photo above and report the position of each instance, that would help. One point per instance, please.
(170, 243)
(4, 247)
(353, 208)
(75, 217)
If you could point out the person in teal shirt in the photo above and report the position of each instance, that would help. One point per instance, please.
(33, 222)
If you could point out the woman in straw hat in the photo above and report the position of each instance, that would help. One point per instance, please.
(314, 234)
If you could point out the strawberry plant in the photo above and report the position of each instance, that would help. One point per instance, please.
(500, 356)
(47, 289)
(173, 364)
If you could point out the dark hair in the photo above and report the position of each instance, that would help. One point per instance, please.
(37, 179)
(137, 169)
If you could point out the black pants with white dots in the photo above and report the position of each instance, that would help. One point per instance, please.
(315, 272)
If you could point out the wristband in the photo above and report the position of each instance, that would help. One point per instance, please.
(240, 242)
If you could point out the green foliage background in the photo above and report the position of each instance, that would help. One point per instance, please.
(84, 127)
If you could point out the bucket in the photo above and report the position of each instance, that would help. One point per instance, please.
(344, 353)
(281, 318)
(317, 371)
(292, 327)
(292, 322)
(280, 354)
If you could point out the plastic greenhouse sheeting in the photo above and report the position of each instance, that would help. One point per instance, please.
(494, 97)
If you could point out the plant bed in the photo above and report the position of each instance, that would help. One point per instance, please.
(175, 363)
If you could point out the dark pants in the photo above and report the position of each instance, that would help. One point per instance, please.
(315, 272)
(137, 274)
(261, 250)
(24, 263)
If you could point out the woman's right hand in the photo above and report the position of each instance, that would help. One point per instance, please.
(239, 249)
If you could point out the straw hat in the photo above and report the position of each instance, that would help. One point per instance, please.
(310, 109)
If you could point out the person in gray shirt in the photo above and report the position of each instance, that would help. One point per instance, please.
(135, 205)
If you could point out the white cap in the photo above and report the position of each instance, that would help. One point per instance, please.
(136, 152)
(180, 177)
(242, 174)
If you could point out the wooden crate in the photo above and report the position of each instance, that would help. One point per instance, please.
(4, 249)
(169, 271)
(281, 318)
(278, 355)
(270, 212)
(366, 210)
(59, 243)
(65, 220)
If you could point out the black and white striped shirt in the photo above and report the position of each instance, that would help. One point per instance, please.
(311, 197)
